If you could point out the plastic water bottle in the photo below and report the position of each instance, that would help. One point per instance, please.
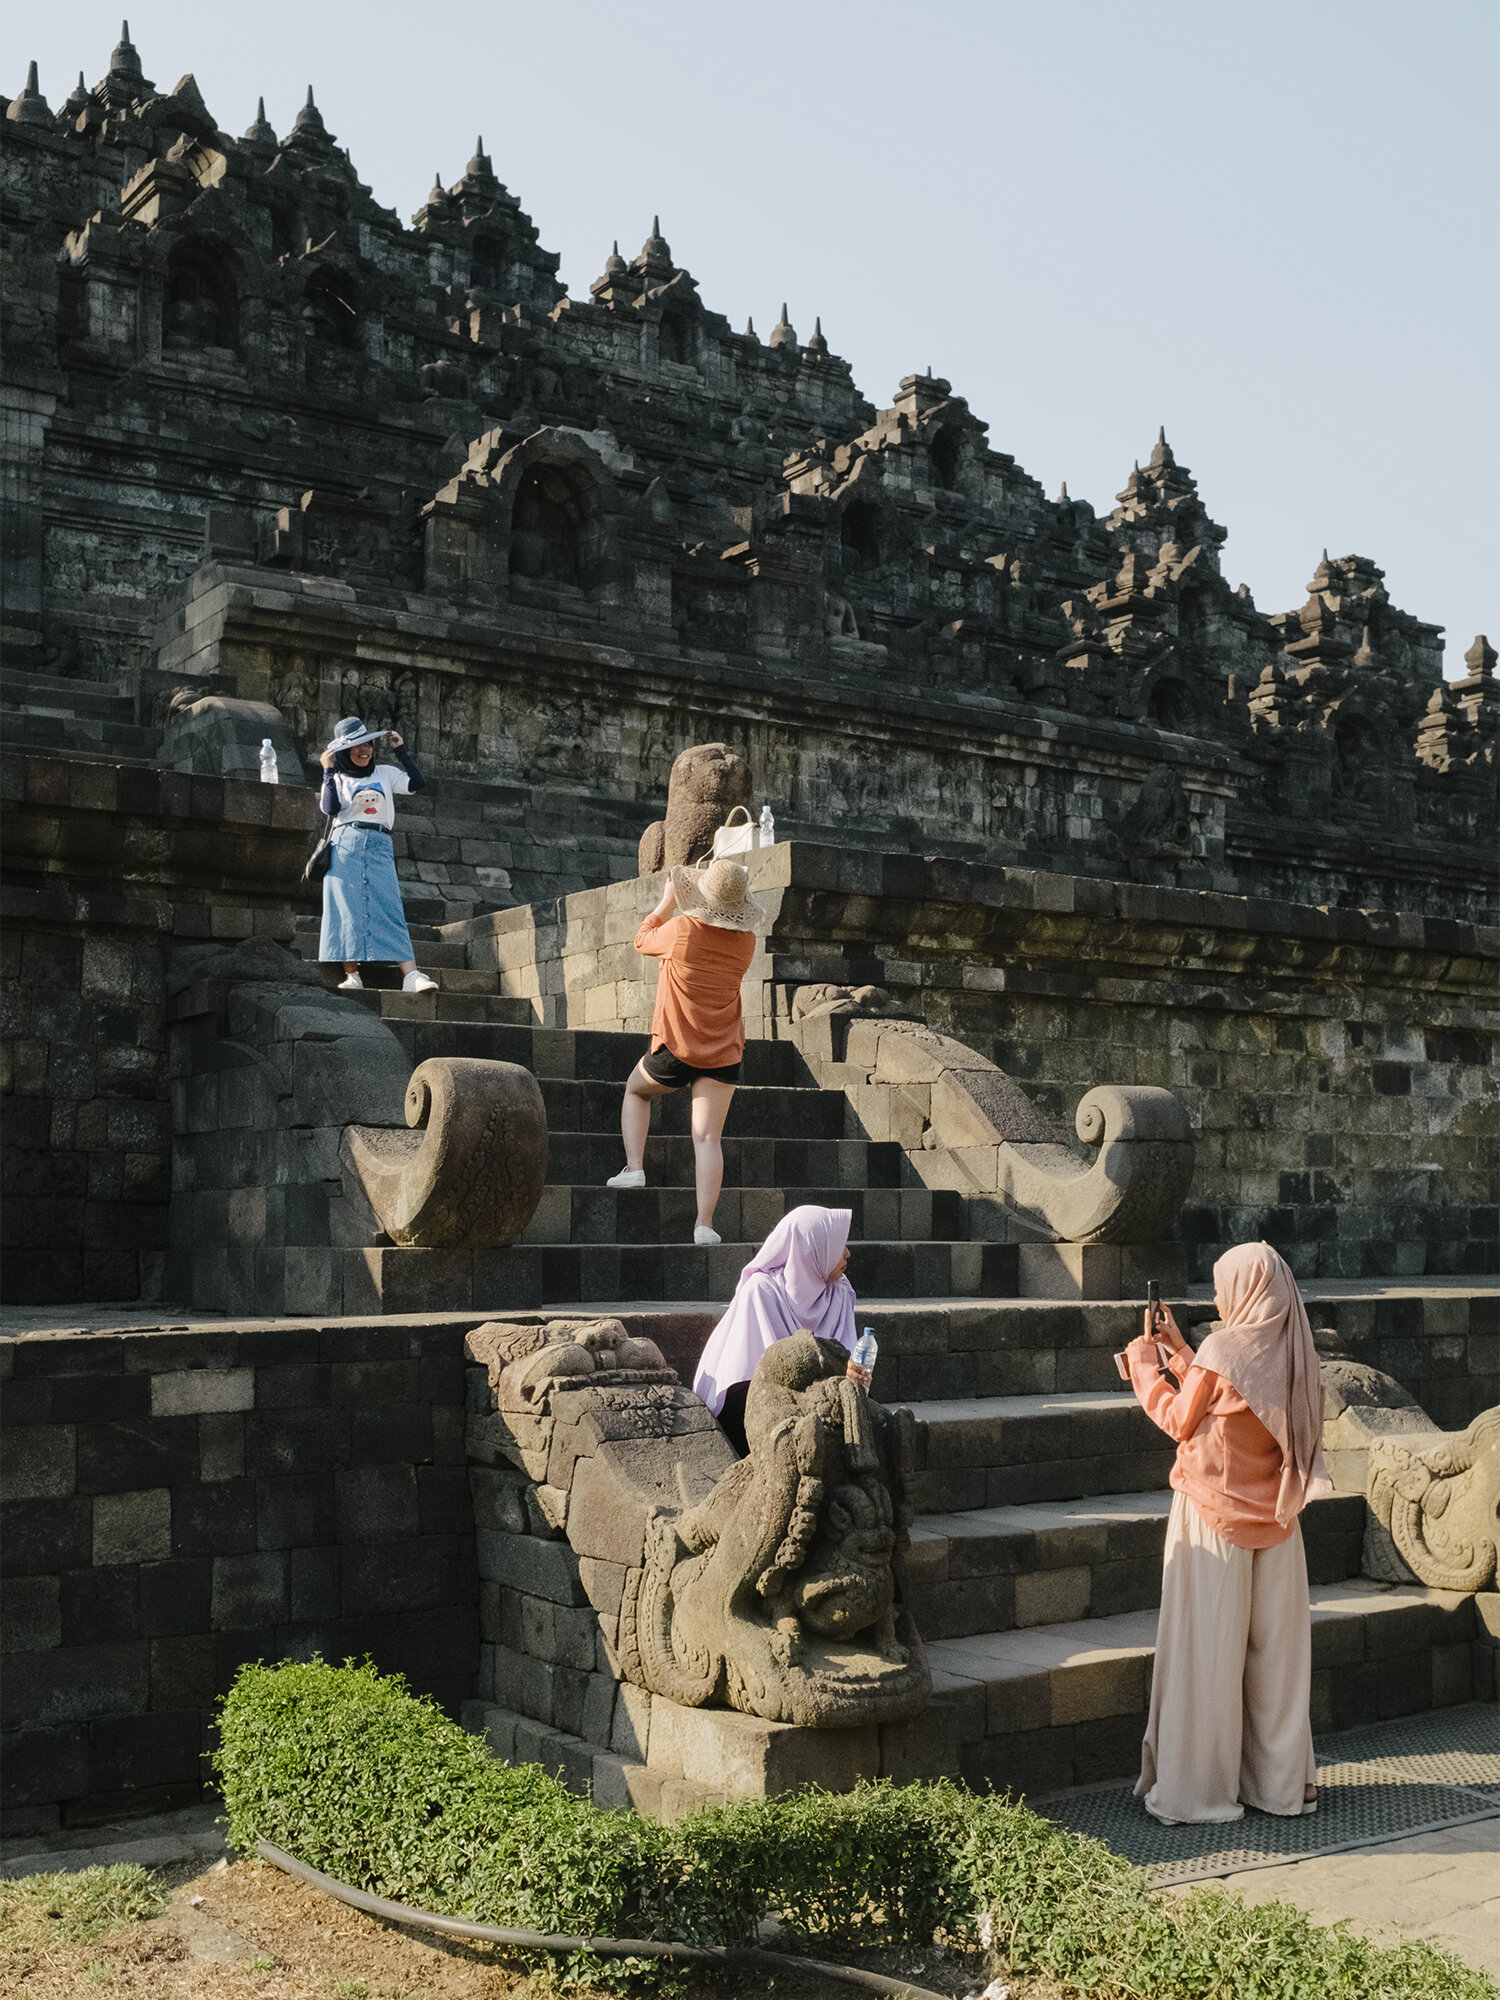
(767, 827)
(865, 1350)
(268, 771)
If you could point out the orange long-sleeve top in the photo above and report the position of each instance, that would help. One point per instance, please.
(698, 1013)
(1228, 1464)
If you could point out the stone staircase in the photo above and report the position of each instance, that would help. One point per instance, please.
(1034, 1575)
(65, 717)
(1041, 1498)
(786, 1142)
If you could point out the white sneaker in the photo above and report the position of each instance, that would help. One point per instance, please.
(704, 1237)
(630, 1177)
(418, 982)
(353, 984)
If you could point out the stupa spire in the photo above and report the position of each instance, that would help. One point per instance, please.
(29, 107)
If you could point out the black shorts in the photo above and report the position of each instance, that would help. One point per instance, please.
(663, 1067)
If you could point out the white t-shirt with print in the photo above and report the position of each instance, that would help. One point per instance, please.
(368, 800)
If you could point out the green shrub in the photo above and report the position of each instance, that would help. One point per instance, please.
(346, 1770)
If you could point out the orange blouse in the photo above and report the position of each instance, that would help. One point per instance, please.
(698, 1013)
(1228, 1463)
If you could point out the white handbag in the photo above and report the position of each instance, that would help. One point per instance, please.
(736, 836)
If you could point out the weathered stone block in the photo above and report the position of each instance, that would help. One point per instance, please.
(40, 1463)
(202, 1391)
(132, 1527)
(30, 1614)
(748, 1757)
(1070, 1270)
(542, 1569)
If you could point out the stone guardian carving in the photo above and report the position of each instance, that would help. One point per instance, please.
(777, 1595)
(769, 1584)
(706, 783)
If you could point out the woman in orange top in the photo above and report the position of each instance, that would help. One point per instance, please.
(698, 1029)
(1228, 1724)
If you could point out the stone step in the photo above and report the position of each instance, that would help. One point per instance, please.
(85, 735)
(582, 1053)
(587, 1159)
(998, 1568)
(1064, 1704)
(390, 1280)
(434, 953)
(52, 694)
(1001, 1451)
(596, 1214)
(464, 1005)
(777, 1111)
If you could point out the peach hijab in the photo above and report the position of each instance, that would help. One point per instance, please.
(1264, 1349)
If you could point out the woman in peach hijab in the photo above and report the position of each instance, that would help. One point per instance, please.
(1228, 1725)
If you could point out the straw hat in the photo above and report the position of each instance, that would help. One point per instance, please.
(351, 732)
(720, 895)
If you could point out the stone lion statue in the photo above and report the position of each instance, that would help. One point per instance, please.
(707, 782)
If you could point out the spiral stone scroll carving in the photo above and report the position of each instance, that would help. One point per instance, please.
(966, 1124)
(469, 1173)
(1439, 1500)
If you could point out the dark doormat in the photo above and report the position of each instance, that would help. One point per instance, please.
(1381, 1782)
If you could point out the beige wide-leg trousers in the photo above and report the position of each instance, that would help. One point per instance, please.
(1228, 1725)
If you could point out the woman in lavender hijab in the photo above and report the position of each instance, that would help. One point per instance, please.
(794, 1283)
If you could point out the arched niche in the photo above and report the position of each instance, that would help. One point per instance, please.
(486, 262)
(945, 456)
(860, 537)
(545, 527)
(563, 514)
(200, 298)
(1358, 765)
(1170, 705)
(677, 339)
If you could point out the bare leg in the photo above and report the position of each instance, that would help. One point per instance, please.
(711, 1101)
(635, 1116)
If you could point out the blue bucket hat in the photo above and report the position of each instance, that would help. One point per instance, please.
(351, 732)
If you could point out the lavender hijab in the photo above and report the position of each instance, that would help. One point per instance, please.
(1264, 1349)
(785, 1288)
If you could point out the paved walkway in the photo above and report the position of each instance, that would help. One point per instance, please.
(1443, 1886)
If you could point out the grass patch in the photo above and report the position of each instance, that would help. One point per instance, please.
(346, 1770)
(38, 1910)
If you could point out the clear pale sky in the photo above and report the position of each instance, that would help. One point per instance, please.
(1270, 225)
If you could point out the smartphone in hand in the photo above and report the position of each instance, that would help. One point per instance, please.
(1154, 1311)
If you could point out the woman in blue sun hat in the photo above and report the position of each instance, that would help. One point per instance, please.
(363, 921)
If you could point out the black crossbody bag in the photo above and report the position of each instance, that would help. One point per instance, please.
(321, 858)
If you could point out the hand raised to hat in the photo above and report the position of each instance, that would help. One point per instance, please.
(394, 738)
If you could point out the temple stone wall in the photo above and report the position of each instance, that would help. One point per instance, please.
(113, 872)
(176, 1504)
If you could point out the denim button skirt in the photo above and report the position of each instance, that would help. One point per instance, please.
(363, 920)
